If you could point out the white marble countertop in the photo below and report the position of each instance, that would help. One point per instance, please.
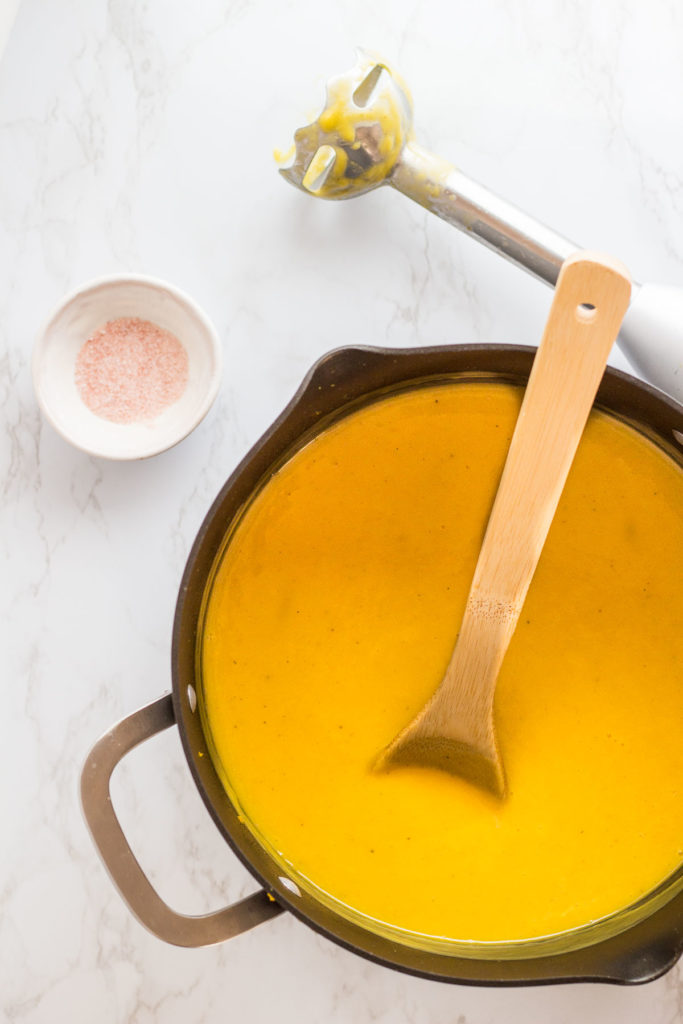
(138, 135)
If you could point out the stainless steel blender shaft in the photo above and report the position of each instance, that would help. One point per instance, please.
(462, 202)
(363, 138)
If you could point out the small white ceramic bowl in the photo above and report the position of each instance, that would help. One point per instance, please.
(75, 320)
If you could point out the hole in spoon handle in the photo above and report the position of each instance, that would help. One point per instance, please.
(586, 312)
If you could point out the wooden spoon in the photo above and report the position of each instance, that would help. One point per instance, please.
(455, 730)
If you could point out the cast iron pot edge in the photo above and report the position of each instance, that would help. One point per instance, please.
(336, 380)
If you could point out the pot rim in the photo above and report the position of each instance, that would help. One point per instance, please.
(338, 381)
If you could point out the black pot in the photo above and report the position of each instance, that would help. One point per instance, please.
(635, 946)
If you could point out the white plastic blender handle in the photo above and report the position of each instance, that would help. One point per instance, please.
(651, 336)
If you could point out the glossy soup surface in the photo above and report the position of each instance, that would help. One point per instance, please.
(331, 620)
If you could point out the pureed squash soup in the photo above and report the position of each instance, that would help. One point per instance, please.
(330, 619)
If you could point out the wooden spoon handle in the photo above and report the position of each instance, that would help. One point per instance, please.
(590, 301)
(591, 298)
(456, 729)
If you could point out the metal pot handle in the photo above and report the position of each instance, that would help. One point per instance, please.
(125, 871)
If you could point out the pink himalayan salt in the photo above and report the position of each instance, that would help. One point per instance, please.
(130, 370)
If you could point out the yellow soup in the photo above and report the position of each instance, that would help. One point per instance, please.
(331, 618)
